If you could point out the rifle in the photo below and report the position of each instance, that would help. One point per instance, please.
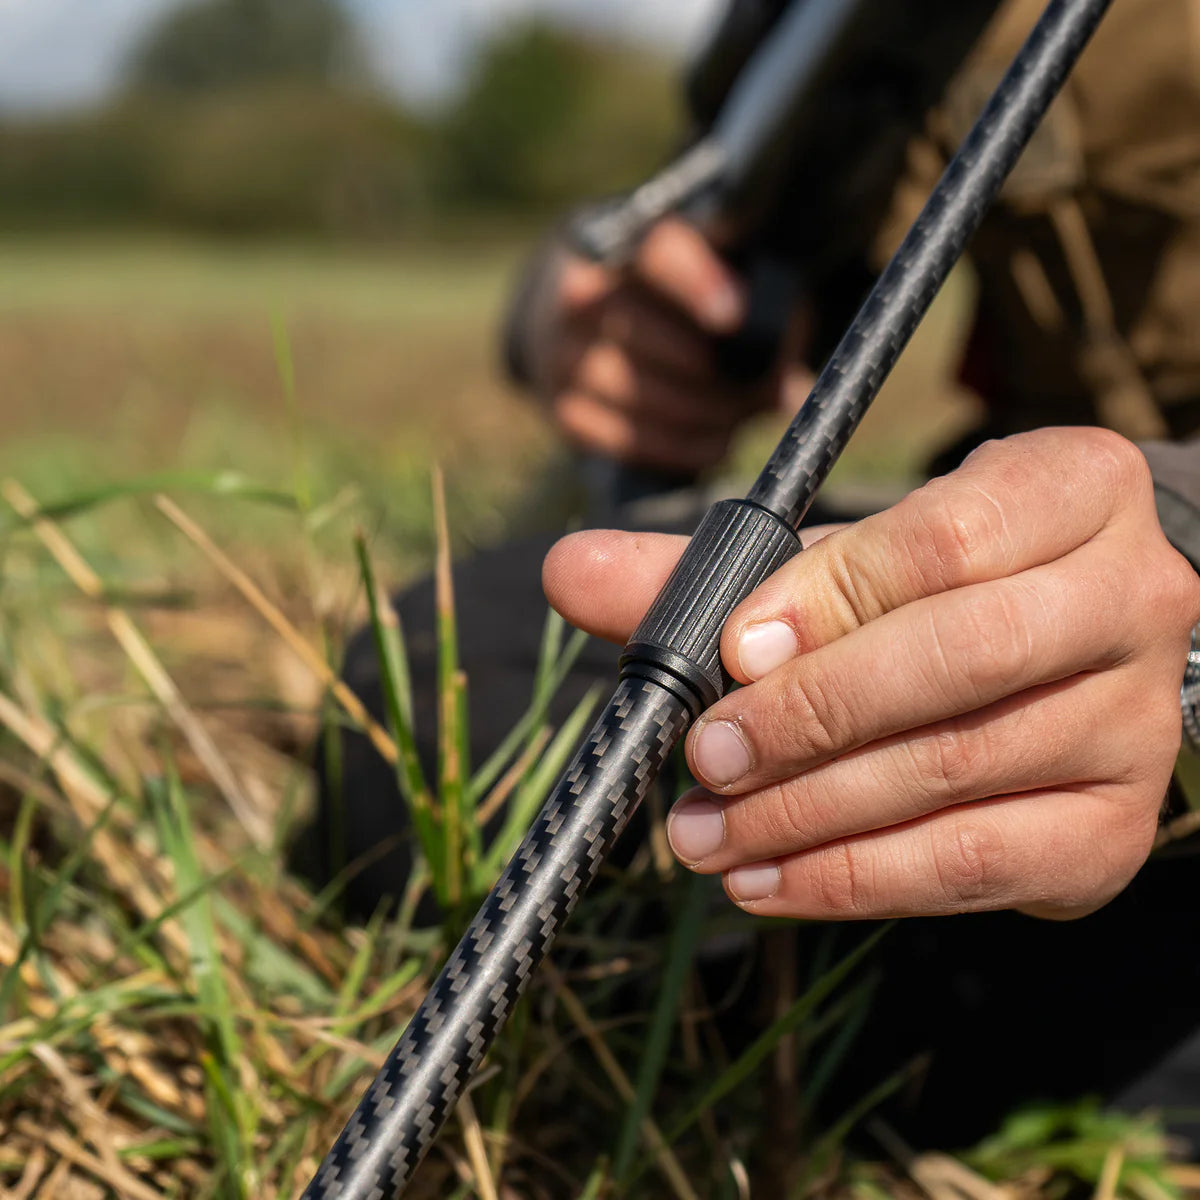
(671, 670)
(778, 93)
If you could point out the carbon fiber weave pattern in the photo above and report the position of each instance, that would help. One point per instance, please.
(900, 298)
(417, 1088)
(1189, 695)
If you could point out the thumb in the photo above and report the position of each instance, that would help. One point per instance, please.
(603, 580)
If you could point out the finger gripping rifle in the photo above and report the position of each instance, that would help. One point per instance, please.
(802, 117)
(671, 669)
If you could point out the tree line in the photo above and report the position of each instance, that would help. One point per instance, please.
(258, 116)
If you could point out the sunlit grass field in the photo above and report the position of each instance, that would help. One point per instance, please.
(121, 357)
(218, 459)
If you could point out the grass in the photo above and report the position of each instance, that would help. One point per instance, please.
(120, 358)
(178, 1016)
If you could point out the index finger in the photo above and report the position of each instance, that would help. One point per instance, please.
(677, 262)
(1013, 505)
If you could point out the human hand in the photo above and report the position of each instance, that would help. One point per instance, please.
(967, 702)
(626, 360)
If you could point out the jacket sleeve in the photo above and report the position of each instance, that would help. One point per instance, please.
(1176, 470)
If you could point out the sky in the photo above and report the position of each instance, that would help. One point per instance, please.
(58, 54)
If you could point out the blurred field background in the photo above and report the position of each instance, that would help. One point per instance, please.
(149, 244)
(252, 258)
(252, 272)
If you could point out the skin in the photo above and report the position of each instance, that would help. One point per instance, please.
(967, 702)
(624, 360)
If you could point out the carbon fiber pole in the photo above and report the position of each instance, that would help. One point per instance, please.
(671, 669)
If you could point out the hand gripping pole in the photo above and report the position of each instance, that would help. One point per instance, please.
(671, 669)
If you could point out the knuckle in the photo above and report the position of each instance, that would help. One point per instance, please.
(662, 251)
(950, 761)
(1154, 737)
(1162, 588)
(837, 880)
(574, 410)
(988, 451)
(966, 863)
(1183, 588)
(1122, 847)
(1135, 828)
(605, 370)
(567, 407)
(852, 585)
(586, 422)
(791, 818)
(1141, 837)
(961, 530)
(1111, 459)
(984, 641)
(811, 716)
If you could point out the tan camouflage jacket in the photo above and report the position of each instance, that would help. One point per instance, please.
(1089, 268)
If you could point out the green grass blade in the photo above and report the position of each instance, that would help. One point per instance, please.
(354, 1021)
(222, 1064)
(18, 882)
(225, 483)
(129, 941)
(50, 901)
(159, 1148)
(548, 655)
(453, 768)
(593, 1189)
(472, 831)
(830, 1142)
(857, 1008)
(220, 1110)
(360, 964)
(270, 963)
(333, 508)
(382, 996)
(544, 678)
(351, 1067)
(393, 653)
(397, 697)
(681, 950)
(749, 1061)
(530, 796)
(155, 1114)
(530, 722)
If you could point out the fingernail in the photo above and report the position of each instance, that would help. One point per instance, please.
(719, 754)
(695, 829)
(763, 647)
(723, 308)
(753, 883)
